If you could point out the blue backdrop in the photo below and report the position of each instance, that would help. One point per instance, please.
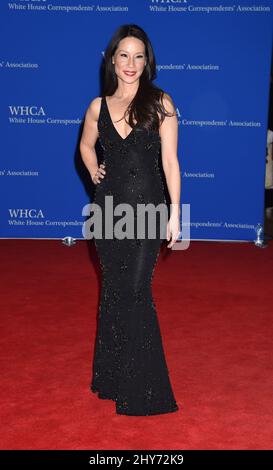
(214, 60)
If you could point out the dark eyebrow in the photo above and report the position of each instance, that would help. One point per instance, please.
(136, 52)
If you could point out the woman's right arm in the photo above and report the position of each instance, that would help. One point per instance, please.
(89, 139)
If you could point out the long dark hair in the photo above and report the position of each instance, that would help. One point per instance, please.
(148, 100)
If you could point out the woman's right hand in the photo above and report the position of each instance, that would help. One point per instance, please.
(100, 172)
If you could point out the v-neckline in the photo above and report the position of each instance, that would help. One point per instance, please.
(125, 138)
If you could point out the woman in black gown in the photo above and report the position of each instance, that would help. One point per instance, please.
(129, 364)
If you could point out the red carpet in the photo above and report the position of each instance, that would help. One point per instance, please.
(214, 303)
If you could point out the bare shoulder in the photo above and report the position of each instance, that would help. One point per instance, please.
(93, 109)
(168, 103)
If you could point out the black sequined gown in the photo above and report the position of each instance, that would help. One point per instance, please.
(129, 365)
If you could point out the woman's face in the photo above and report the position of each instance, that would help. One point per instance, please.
(129, 59)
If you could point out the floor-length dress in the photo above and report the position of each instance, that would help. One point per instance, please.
(129, 364)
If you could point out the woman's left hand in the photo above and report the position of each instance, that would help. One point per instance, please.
(173, 229)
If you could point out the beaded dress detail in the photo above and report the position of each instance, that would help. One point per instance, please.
(129, 364)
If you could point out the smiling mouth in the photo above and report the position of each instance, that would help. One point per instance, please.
(129, 73)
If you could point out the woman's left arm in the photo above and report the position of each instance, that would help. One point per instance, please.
(169, 141)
